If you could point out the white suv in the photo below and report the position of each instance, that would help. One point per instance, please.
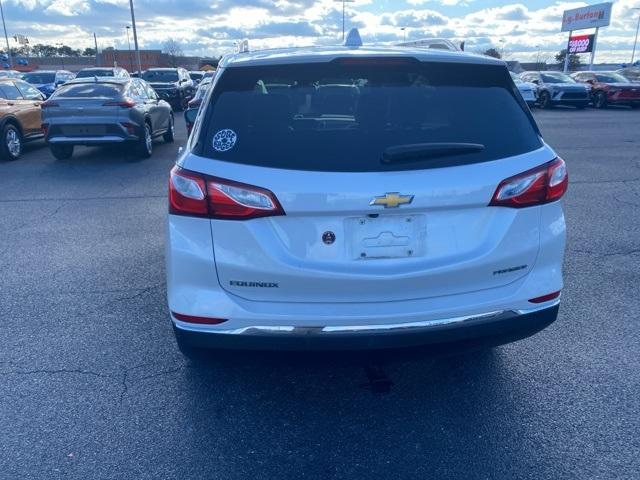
(357, 197)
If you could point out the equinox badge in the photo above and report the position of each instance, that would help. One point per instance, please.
(391, 200)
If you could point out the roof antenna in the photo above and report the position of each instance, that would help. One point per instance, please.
(353, 39)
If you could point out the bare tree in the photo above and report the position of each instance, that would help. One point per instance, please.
(492, 52)
(174, 50)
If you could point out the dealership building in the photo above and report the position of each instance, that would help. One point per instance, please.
(110, 57)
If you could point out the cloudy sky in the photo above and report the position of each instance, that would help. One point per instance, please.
(209, 27)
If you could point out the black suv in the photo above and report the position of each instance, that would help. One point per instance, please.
(172, 84)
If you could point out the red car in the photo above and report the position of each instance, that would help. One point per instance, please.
(610, 88)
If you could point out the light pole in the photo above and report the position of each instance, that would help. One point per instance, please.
(344, 2)
(502, 42)
(538, 57)
(60, 45)
(635, 42)
(95, 43)
(6, 37)
(404, 33)
(129, 43)
(135, 37)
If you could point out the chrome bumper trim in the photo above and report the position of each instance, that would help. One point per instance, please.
(287, 330)
(542, 306)
(101, 138)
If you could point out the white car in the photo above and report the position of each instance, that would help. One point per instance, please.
(414, 201)
(526, 89)
(434, 43)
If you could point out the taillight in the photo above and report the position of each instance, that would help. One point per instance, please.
(126, 103)
(187, 193)
(198, 195)
(546, 298)
(544, 184)
(49, 104)
(130, 127)
(201, 320)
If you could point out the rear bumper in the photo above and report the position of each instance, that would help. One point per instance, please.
(572, 103)
(493, 327)
(623, 101)
(97, 140)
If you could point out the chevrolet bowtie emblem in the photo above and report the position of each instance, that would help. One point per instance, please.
(392, 200)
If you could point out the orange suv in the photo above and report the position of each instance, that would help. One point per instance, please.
(20, 116)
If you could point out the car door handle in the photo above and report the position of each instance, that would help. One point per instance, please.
(11, 104)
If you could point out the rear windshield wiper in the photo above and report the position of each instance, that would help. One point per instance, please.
(420, 151)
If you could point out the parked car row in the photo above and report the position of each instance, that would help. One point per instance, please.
(581, 89)
(175, 85)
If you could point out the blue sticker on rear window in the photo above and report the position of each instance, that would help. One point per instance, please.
(224, 140)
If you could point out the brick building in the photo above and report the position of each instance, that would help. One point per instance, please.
(110, 57)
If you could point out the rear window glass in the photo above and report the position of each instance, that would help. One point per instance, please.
(611, 78)
(160, 76)
(90, 90)
(342, 116)
(557, 77)
(39, 78)
(107, 72)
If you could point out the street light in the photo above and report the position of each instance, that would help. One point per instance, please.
(60, 45)
(633, 55)
(404, 33)
(343, 10)
(135, 37)
(129, 43)
(6, 37)
(502, 41)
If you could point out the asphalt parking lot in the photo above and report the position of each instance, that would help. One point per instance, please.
(92, 384)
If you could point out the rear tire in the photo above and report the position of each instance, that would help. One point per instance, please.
(600, 100)
(11, 147)
(545, 100)
(170, 134)
(62, 152)
(145, 142)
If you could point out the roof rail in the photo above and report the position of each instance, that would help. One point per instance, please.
(353, 39)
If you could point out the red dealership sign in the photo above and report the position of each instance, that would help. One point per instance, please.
(581, 44)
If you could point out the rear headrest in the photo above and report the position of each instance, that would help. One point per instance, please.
(336, 99)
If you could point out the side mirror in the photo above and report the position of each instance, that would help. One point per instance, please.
(590, 82)
(190, 118)
(537, 82)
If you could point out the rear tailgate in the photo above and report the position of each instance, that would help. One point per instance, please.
(357, 228)
(447, 241)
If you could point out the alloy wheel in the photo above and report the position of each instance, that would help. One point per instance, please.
(14, 145)
(147, 139)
